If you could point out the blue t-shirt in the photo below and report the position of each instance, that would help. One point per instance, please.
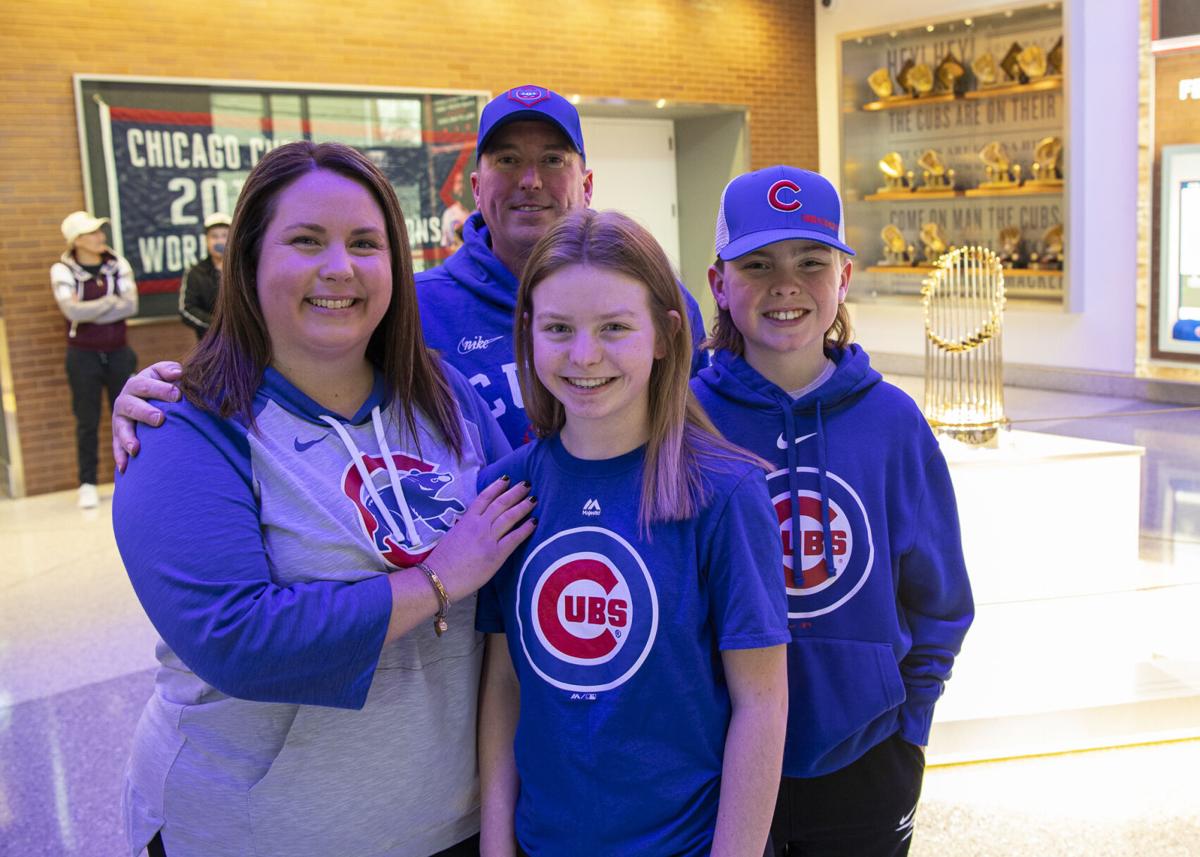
(616, 642)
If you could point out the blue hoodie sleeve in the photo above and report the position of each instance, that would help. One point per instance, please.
(186, 521)
(935, 595)
(696, 324)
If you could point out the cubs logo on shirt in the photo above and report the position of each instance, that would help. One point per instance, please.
(813, 588)
(426, 505)
(587, 610)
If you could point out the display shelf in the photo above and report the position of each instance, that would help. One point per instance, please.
(899, 102)
(1020, 190)
(1045, 84)
(911, 195)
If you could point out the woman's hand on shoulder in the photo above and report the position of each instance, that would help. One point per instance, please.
(484, 537)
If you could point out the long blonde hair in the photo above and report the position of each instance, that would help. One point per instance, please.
(681, 436)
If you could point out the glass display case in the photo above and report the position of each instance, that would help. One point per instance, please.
(954, 133)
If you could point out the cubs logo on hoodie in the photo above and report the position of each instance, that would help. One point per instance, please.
(587, 610)
(406, 519)
(814, 588)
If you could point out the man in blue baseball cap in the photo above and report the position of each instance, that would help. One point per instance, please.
(531, 171)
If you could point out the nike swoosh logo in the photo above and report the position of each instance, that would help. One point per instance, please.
(780, 443)
(303, 446)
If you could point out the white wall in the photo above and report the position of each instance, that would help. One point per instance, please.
(1102, 92)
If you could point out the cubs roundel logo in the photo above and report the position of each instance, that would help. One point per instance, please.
(587, 610)
(430, 513)
(813, 588)
(782, 195)
(528, 95)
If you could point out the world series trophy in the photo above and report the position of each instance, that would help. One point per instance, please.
(963, 304)
(896, 251)
(934, 173)
(1047, 164)
(895, 179)
(1002, 174)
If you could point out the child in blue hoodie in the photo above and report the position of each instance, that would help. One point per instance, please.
(878, 595)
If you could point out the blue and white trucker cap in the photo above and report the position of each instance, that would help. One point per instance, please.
(530, 102)
(775, 204)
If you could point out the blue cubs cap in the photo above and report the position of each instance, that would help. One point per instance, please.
(776, 204)
(530, 102)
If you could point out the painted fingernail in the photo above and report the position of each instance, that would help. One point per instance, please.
(527, 484)
(533, 501)
(533, 521)
(505, 477)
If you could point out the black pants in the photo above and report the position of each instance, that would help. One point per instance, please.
(90, 372)
(466, 848)
(864, 810)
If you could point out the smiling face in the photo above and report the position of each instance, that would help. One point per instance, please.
(324, 275)
(783, 299)
(594, 344)
(529, 177)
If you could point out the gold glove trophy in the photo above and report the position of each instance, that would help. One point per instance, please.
(949, 74)
(935, 243)
(1053, 251)
(963, 303)
(896, 251)
(1002, 174)
(1012, 247)
(935, 175)
(895, 179)
(985, 70)
(1047, 164)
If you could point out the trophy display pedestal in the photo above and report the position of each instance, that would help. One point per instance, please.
(919, 193)
(1044, 84)
(1045, 185)
(899, 269)
(884, 193)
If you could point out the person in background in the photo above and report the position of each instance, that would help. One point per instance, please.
(95, 292)
(200, 283)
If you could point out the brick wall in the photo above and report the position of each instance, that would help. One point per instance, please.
(756, 53)
(1175, 123)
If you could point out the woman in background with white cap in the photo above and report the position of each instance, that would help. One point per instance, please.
(95, 291)
(200, 283)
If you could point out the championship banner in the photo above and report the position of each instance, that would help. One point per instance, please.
(161, 158)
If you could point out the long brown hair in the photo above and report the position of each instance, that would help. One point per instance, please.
(726, 337)
(681, 434)
(225, 369)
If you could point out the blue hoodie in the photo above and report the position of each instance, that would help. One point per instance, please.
(880, 603)
(467, 307)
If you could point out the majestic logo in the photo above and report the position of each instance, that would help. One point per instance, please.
(469, 345)
(591, 508)
(813, 588)
(782, 444)
(587, 610)
(781, 201)
(528, 95)
(422, 516)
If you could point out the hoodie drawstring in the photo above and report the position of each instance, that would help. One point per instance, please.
(794, 493)
(393, 475)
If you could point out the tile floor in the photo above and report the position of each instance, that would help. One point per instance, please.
(76, 665)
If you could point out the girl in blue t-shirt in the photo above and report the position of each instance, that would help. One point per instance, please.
(634, 695)
(878, 596)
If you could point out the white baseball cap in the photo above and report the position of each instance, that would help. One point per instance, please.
(216, 219)
(80, 223)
